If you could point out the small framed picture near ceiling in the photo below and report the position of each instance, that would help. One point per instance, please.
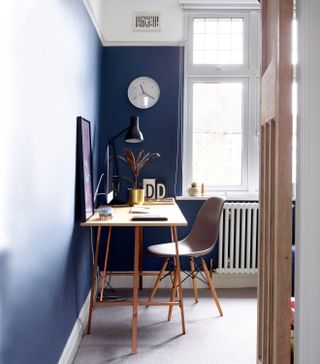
(85, 168)
(146, 22)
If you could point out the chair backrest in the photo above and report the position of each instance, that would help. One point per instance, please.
(205, 230)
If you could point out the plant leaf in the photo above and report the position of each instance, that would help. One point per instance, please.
(129, 179)
(137, 163)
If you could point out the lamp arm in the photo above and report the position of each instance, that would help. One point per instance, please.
(118, 134)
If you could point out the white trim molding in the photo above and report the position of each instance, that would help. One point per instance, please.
(94, 21)
(72, 345)
(219, 4)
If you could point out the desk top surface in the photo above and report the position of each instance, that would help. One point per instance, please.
(122, 217)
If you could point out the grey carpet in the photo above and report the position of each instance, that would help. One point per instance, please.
(210, 339)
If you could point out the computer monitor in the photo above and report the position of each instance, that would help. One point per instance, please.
(108, 174)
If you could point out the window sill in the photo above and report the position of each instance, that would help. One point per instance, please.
(227, 196)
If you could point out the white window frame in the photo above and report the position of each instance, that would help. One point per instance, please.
(188, 131)
(221, 69)
(249, 74)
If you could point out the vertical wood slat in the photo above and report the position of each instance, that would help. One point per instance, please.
(267, 248)
(275, 184)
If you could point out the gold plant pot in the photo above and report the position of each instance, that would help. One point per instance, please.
(136, 196)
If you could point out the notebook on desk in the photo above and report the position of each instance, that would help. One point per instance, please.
(148, 217)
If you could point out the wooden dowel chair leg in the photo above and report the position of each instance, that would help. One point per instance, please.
(173, 290)
(178, 280)
(211, 286)
(157, 282)
(194, 280)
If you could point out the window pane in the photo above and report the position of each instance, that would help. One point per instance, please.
(212, 26)
(198, 41)
(294, 42)
(198, 57)
(223, 35)
(198, 25)
(237, 26)
(217, 133)
(294, 131)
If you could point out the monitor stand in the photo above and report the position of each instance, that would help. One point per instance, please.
(116, 202)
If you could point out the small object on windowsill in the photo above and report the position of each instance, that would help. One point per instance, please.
(194, 190)
(106, 213)
(202, 189)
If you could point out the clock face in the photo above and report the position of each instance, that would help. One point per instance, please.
(143, 92)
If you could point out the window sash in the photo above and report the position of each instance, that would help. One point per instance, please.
(188, 135)
(221, 69)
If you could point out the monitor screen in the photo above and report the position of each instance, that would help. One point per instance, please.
(108, 174)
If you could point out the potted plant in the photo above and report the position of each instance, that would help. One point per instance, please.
(136, 163)
(194, 190)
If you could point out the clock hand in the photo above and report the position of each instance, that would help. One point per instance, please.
(142, 89)
(149, 96)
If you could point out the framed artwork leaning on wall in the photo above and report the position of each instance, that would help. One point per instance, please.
(84, 157)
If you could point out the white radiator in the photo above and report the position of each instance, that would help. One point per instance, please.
(238, 238)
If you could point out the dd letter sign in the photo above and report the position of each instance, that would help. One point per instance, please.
(154, 188)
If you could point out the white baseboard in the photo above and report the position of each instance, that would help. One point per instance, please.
(72, 345)
(220, 281)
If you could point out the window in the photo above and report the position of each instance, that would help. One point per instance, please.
(294, 101)
(217, 132)
(222, 98)
(217, 40)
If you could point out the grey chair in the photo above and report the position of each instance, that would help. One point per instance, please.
(200, 241)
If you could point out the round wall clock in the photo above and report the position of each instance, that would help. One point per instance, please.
(143, 92)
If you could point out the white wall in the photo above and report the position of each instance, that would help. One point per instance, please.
(308, 182)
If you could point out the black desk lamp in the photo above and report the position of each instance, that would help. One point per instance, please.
(133, 135)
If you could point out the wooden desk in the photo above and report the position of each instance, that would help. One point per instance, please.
(122, 218)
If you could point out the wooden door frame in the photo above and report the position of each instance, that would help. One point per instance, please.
(274, 290)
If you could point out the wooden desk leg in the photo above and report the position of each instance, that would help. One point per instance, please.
(141, 259)
(105, 265)
(94, 279)
(137, 235)
(178, 273)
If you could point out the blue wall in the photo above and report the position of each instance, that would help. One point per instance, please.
(159, 124)
(50, 74)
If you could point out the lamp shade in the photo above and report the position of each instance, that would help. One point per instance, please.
(134, 134)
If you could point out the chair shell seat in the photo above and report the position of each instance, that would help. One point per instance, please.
(169, 250)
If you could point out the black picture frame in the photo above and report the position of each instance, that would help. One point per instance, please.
(85, 168)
